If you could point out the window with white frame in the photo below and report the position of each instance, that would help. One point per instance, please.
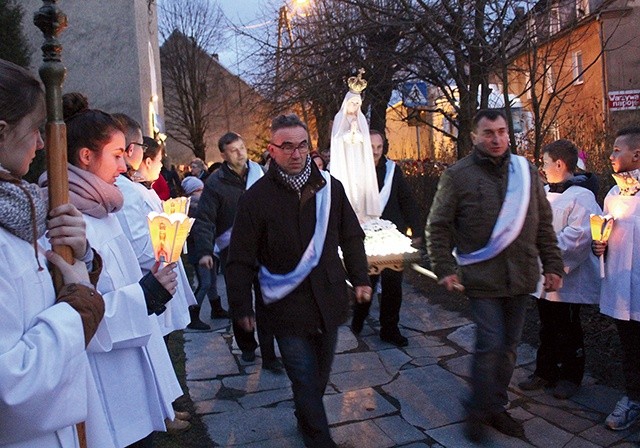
(578, 69)
(582, 8)
(554, 20)
(527, 85)
(549, 80)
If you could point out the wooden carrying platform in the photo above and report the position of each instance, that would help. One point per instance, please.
(395, 262)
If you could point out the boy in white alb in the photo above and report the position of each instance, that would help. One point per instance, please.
(620, 293)
(560, 358)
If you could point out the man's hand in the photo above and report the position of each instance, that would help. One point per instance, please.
(598, 247)
(363, 294)
(247, 323)
(66, 227)
(206, 261)
(452, 283)
(552, 282)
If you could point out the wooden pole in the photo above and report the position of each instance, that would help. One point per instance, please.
(52, 21)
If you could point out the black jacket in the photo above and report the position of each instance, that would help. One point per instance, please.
(401, 209)
(216, 209)
(273, 228)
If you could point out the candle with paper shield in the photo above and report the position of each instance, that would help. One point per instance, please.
(168, 234)
(176, 205)
(600, 231)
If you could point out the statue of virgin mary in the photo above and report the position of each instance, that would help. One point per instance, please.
(352, 156)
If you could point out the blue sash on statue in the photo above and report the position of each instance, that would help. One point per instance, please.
(511, 217)
(275, 287)
(390, 165)
(255, 172)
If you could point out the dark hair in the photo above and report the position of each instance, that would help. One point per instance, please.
(287, 121)
(228, 138)
(127, 123)
(489, 114)
(631, 135)
(385, 142)
(86, 128)
(152, 149)
(20, 92)
(214, 166)
(563, 150)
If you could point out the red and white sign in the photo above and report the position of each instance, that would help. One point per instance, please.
(624, 100)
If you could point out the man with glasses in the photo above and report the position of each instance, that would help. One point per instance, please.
(288, 227)
(134, 148)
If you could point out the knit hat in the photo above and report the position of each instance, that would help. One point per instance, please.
(191, 184)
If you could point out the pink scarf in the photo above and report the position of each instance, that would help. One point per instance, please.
(90, 194)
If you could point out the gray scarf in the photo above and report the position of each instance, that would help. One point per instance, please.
(23, 210)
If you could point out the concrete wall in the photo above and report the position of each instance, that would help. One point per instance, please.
(106, 53)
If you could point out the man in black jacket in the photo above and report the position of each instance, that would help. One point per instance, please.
(290, 224)
(400, 208)
(214, 223)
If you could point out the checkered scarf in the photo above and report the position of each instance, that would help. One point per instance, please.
(296, 181)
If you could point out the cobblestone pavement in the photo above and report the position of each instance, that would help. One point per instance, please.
(382, 396)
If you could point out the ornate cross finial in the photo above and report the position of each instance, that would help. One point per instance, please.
(357, 83)
(51, 21)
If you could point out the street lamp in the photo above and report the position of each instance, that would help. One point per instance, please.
(284, 23)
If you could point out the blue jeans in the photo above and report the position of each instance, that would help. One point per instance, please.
(499, 321)
(307, 360)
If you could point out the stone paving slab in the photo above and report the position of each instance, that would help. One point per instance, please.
(380, 395)
(250, 426)
(203, 390)
(452, 436)
(429, 397)
(367, 433)
(356, 405)
(399, 430)
(208, 356)
(543, 434)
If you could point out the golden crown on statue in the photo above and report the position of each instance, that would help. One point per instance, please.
(357, 83)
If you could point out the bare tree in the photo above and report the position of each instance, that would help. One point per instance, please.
(192, 31)
(545, 67)
(305, 66)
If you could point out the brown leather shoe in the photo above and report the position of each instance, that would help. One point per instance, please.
(176, 426)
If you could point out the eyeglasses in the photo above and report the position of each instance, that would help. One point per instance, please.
(129, 150)
(289, 148)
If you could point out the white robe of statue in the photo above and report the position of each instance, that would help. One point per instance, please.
(352, 158)
(138, 202)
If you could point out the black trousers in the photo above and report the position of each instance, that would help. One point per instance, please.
(561, 352)
(629, 332)
(245, 339)
(390, 301)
